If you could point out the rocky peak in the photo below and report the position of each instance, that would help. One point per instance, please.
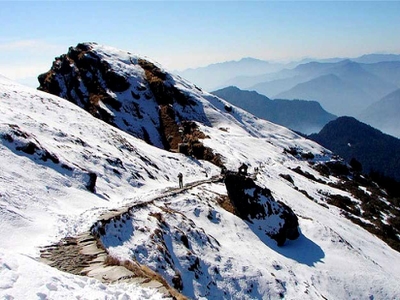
(84, 78)
(128, 92)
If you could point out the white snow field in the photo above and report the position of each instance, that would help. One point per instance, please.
(49, 146)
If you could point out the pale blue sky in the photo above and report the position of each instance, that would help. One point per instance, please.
(186, 34)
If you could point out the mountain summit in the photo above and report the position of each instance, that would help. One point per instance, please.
(128, 92)
(86, 190)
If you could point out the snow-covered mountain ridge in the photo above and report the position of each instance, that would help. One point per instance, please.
(50, 147)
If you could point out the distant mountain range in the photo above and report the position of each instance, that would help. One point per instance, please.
(384, 114)
(351, 138)
(344, 88)
(341, 86)
(245, 71)
(333, 93)
(374, 58)
(214, 76)
(300, 115)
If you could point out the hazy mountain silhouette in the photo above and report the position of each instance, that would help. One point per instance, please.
(344, 87)
(384, 114)
(271, 84)
(275, 87)
(389, 71)
(351, 138)
(243, 73)
(333, 93)
(375, 74)
(288, 78)
(303, 116)
(214, 75)
(376, 58)
(355, 74)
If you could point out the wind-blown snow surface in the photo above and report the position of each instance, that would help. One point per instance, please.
(22, 277)
(43, 197)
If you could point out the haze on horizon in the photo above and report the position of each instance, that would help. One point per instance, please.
(186, 34)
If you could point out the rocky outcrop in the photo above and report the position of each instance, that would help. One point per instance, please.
(130, 93)
(159, 82)
(254, 203)
(83, 78)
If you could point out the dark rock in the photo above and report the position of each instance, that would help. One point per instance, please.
(183, 148)
(185, 241)
(198, 150)
(29, 148)
(47, 155)
(228, 108)
(177, 282)
(91, 184)
(82, 68)
(116, 82)
(287, 177)
(7, 137)
(252, 202)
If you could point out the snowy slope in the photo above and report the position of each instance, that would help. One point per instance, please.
(49, 147)
(42, 201)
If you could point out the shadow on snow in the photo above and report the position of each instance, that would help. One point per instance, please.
(303, 250)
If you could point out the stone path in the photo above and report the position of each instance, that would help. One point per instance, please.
(85, 255)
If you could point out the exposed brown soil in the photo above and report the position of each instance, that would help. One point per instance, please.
(169, 128)
(226, 204)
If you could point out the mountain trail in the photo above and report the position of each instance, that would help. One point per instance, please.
(85, 255)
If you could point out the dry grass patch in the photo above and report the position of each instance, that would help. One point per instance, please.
(144, 272)
(226, 204)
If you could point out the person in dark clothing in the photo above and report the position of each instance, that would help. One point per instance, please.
(243, 169)
(223, 170)
(180, 177)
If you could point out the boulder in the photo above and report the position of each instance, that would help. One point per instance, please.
(257, 205)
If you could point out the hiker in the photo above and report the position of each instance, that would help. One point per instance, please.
(243, 169)
(180, 177)
(223, 170)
